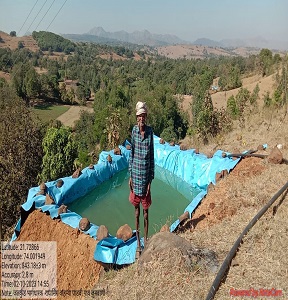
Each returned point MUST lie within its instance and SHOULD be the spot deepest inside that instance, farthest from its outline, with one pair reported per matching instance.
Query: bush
(232, 107)
(60, 151)
(169, 135)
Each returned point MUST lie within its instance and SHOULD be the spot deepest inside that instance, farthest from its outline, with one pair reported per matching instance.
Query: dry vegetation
(266, 84)
(199, 51)
(12, 42)
(219, 99)
(73, 114)
(191, 51)
(261, 261)
(5, 75)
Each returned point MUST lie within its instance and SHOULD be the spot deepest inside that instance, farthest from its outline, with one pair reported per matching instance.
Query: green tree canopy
(20, 155)
(48, 41)
(60, 151)
(266, 61)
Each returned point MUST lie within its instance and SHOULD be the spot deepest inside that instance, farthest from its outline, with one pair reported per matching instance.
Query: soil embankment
(76, 268)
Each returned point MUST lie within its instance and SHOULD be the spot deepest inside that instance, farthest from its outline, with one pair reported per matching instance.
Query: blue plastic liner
(197, 170)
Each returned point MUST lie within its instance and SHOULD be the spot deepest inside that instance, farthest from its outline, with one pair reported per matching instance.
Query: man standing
(141, 169)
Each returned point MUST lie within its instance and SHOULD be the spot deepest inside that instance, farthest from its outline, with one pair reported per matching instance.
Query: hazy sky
(188, 19)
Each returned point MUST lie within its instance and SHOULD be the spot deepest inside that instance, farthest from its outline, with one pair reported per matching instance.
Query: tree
(207, 121)
(267, 100)
(20, 45)
(266, 61)
(60, 151)
(232, 107)
(113, 125)
(241, 100)
(49, 87)
(168, 134)
(20, 155)
(3, 82)
(18, 75)
(255, 95)
(230, 77)
(83, 93)
(280, 94)
(85, 137)
(32, 83)
(13, 33)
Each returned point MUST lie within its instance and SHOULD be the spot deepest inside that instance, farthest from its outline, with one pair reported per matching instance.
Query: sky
(187, 19)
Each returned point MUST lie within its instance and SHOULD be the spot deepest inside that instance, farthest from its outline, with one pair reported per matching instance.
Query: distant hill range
(257, 42)
(99, 35)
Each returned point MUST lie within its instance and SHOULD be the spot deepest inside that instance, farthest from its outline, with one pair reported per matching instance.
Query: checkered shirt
(141, 161)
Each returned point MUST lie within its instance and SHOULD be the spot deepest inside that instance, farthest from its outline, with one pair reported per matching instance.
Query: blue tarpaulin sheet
(197, 170)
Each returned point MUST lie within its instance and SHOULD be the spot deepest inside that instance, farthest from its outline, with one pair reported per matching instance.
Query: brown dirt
(112, 56)
(218, 204)
(57, 55)
(73, 114)
(219, 99)
(190, 51)
(5, 75)
(201, 52)
(216, 224)
(41, 70)
(76, 267)
(185, 104)
(266, 84)
(12, 42)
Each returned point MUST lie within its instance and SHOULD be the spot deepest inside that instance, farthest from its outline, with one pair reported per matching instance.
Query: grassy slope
(261, 262)
(49, 112)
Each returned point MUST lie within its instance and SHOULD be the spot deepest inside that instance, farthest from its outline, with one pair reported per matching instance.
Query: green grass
(48, 112)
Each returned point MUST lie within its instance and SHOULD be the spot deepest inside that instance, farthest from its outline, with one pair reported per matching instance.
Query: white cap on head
(141, 108)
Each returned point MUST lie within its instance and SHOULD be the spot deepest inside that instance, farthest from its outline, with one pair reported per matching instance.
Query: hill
(165, 45)
(122, 38)
(256, 42)
(266, 84)
(216, 224)
(260, 263)
(207, 51)
(12, 42)
(143, 37)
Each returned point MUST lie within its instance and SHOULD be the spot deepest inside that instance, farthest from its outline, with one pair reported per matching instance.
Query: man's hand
(130, 184)
(148, 189)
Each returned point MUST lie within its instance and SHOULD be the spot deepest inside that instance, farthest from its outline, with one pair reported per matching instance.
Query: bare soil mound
(219, 204)
(76, 268)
